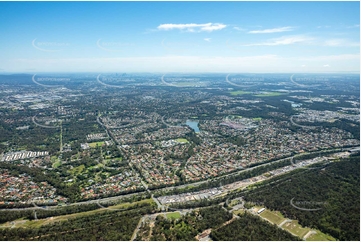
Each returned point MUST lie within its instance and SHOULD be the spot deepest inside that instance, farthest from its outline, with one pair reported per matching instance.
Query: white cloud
(327, 65)
(239, 29)
(270, 31)
(207, 39)
(340, 42)
(303, 66)
(285, 40)
(209, 27)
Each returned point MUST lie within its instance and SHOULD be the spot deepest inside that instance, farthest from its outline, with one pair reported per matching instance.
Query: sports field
(272, 217)
(174, 215)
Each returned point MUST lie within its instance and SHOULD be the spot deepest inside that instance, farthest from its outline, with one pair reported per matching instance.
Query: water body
(293, 104)
(193, 124)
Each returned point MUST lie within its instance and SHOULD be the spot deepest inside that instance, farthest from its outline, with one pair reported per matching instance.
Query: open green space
(174, 215)
(235, 93)
(319, 236)
(95, 144)
(95, 167)
(181, 140)
(269, 94)
(127, 205)
(295, 228)
(257, 119)
(56, 164)
(239, 212)
(272, 217)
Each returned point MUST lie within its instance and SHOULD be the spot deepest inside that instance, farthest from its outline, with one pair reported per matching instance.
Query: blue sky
(255, 37)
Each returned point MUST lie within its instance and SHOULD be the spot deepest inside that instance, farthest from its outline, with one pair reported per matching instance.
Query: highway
(162, 189)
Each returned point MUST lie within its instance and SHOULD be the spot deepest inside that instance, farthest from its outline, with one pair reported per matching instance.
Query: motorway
(162, 189)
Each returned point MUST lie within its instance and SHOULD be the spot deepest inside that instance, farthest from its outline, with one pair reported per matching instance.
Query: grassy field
(95, 144)
(257, 119)
(269, 94)
(182, 140)
(95, 167)
(127, 205)
(239, 211)
(235, 93)
(271, 216)
(174, 215)
(295, 228)
(56, 164)
(319, 236)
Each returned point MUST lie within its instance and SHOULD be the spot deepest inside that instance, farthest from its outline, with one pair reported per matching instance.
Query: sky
(163, 37)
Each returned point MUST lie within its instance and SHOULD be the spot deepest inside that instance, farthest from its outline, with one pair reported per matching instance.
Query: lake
(193, 124)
